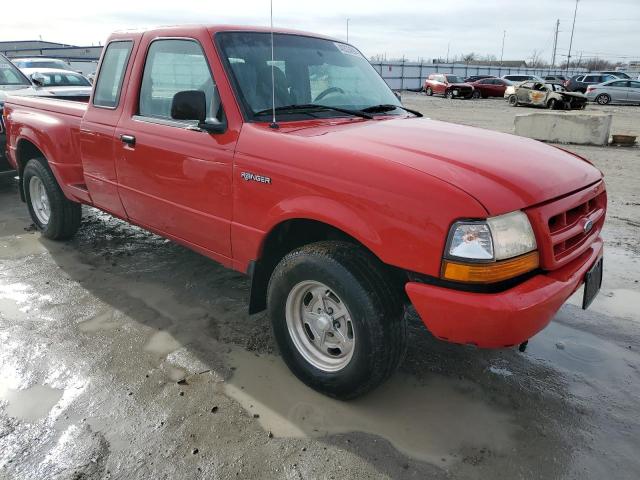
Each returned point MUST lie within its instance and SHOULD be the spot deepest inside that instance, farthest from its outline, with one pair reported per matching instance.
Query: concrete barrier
(565, 127)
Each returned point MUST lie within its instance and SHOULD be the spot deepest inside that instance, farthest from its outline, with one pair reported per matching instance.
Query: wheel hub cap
(320, 326)
(39, 200)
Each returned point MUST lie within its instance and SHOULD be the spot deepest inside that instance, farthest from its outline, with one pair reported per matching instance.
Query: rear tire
(512, 100)
(342, 355)
(57, 217)
(476, 94)
(552, 104)
(603, 99)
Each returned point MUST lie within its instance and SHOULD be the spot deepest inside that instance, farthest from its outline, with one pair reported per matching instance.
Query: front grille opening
(564, 221)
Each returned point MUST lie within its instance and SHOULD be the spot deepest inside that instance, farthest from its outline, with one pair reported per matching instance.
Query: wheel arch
(294, 232)
(26, 149)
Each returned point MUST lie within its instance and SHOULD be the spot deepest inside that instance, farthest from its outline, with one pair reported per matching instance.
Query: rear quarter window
(111, 74)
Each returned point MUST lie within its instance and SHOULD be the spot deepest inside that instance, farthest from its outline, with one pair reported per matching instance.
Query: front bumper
(497, 320)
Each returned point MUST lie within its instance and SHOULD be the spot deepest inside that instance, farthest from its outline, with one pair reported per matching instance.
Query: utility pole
(448, 45)
(572, 29)
(348, 29)
(555, 44)
(504, 34)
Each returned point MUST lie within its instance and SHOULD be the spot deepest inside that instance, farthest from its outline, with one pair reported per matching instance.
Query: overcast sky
(414, 28)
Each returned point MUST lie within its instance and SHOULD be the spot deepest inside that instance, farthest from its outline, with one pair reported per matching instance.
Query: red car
(341, 205)
(490, 87)
(451, 86)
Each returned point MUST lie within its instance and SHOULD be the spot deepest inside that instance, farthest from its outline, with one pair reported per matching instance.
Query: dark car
(490, 87)
(579, 83)
(449, 85)
(475, 78)
(556, 79)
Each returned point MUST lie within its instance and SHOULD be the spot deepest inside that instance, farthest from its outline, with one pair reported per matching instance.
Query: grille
(566, 228)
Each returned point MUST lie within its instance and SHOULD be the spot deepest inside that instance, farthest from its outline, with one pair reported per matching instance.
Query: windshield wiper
(387, 107)
(315, 106)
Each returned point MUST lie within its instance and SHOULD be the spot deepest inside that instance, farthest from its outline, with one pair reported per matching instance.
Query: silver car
(615, 91)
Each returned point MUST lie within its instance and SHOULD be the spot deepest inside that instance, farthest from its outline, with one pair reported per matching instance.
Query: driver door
(173, 178)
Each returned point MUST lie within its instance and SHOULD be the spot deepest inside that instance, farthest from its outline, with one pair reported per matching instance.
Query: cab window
(111, 75)
(172, 66)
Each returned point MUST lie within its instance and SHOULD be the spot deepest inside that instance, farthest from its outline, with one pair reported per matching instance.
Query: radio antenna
(273, 78)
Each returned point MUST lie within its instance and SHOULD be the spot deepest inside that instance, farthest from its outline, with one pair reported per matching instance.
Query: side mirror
(189, 105)
(192, 105)
(38, 79)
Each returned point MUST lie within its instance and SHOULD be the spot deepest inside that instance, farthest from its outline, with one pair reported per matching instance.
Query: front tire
(449, 94)
(428, 91)
(338, 322)
(57, 217)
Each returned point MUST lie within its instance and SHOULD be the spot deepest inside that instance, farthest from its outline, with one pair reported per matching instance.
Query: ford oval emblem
(588, 225)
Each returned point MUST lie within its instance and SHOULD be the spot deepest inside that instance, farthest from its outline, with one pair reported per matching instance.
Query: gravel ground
(123, 355)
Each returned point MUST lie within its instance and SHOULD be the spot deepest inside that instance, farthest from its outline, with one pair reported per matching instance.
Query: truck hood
(503, 172)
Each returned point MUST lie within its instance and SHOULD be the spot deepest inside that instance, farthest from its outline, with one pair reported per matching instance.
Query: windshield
(10, 75)
(307, 71)
(454, 79)
(66, 79)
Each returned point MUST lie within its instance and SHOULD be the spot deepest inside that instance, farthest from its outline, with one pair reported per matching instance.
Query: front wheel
(428, 91)
(449, 94)
(338, 322)
(57, 217)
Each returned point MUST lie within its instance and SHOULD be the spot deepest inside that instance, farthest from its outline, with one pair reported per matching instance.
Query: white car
(59, 83)
(40, 62)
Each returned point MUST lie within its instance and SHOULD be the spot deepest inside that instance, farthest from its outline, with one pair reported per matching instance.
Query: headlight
(492, 250)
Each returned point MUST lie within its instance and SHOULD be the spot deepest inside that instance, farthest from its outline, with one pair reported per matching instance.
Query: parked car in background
(41, 62)
(546, 95)
(12, 82)
(556, 79)
(63, 84)
(490, 87)
(616, 74)
(580, 83)
(451, 86)
(475, 78)
(515, 79)
(615, 91)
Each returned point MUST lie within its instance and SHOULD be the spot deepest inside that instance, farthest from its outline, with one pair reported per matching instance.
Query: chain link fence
(411, 75)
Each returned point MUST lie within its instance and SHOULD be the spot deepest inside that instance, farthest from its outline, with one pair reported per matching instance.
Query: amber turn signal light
(490, 272)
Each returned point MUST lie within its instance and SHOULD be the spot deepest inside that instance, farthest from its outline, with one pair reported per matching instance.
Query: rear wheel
(57, 217)
(513, 100)
(476, 94)
(603, 99)
(552, 104)
(339, 324)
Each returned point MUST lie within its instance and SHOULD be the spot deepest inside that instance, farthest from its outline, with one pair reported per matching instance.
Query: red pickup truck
(304, 171)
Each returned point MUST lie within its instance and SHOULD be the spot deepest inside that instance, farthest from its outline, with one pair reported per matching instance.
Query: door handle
(128, 139)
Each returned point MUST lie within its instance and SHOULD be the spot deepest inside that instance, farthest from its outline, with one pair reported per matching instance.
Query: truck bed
(48, 104)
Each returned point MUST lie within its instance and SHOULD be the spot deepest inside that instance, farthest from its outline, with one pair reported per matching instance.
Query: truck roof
(178, 30)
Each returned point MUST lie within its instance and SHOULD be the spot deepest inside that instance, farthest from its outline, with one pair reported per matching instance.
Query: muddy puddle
(30, 404)
(429, 421)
